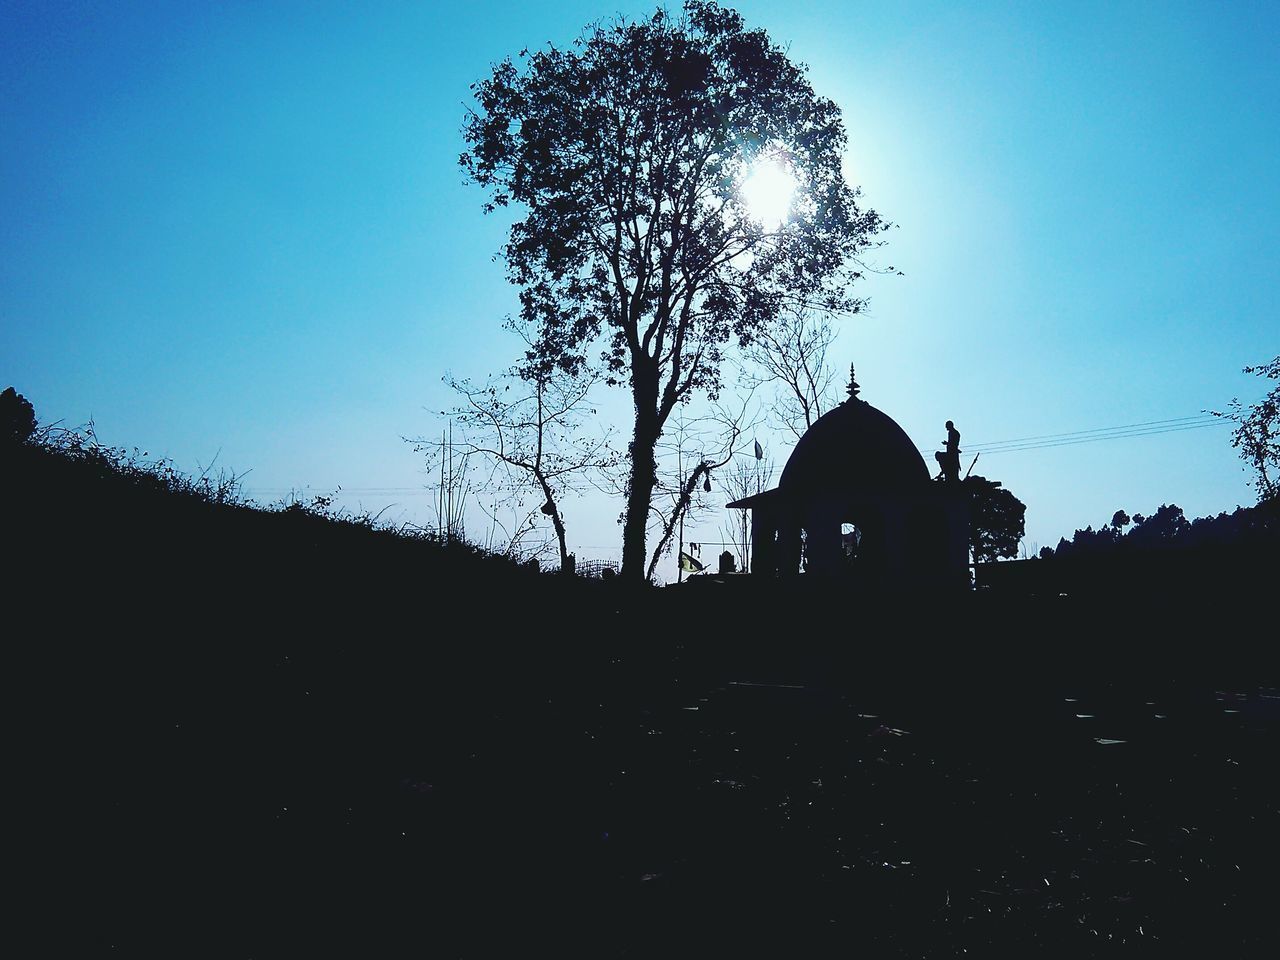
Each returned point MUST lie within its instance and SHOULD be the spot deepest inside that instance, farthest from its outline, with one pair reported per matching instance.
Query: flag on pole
(688, 564)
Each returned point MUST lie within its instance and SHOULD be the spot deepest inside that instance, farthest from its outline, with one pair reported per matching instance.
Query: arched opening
(850, 540)
(862, 541)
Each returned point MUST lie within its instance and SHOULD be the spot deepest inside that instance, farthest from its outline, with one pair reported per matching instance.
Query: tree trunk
(552, 509)
(644, 472)
(564, 546)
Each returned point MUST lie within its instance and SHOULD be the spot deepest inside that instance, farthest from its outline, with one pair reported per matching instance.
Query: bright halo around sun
(768, 191)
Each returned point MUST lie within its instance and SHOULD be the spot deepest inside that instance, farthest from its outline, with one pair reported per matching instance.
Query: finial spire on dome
(853, 387)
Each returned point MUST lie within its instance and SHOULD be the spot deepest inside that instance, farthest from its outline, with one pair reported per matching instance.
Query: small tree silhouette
(17, 417)
(997, 520)
(1257, 432)
(530, 429)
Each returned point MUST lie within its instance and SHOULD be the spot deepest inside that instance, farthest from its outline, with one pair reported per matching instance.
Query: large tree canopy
(627, 154)
(997, 520)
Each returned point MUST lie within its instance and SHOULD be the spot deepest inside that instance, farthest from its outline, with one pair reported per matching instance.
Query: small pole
(450, 479)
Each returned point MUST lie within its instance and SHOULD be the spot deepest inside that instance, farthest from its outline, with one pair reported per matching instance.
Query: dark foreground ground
(241, 734)
(301, 761)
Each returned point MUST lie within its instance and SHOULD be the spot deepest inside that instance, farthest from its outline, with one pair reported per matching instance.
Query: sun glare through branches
(768, 191)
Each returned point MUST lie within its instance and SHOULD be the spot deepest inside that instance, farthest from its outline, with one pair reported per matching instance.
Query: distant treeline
(1169, 529)
(1231, 552)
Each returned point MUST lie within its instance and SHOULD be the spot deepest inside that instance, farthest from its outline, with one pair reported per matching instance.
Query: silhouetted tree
(1090, 541)
(17, 417)
(1160, 528)
(1257, 432)
(997, 520)
(628, 152)
(531, 431)
(1165, 528)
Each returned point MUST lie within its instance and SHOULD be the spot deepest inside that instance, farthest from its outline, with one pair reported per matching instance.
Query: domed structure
(856, 447)
(855, 499)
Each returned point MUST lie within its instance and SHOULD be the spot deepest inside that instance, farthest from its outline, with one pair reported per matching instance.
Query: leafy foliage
(627, 153)
(17, 417)
(997, 520)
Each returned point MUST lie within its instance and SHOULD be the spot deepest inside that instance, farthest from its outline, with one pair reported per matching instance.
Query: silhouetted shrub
(997, 520)
(17, 417)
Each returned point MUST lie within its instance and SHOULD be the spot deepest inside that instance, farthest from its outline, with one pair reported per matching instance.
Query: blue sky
(241, 230)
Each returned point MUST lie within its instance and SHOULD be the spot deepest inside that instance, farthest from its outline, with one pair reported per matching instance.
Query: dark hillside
(91, 516)
(255, 733)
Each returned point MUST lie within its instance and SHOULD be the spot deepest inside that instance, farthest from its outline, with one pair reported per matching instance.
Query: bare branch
(793, 357)
(531, 434)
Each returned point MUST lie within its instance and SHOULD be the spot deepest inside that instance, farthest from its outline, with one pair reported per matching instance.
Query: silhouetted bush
(17, 417)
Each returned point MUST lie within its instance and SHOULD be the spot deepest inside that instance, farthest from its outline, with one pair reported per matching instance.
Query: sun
(767, 192)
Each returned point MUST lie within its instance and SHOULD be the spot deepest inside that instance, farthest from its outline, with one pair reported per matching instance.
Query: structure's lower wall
(906, 539)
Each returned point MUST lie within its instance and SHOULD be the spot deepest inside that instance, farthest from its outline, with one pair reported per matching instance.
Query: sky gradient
(240, 230)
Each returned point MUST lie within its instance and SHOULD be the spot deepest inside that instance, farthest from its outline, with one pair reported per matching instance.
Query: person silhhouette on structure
(949, 459)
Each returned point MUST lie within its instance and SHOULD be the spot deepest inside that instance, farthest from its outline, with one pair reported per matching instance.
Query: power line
(1147, 428)
(398, 491)
(1075, 433)
(1123, 431)
(1114, 434)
